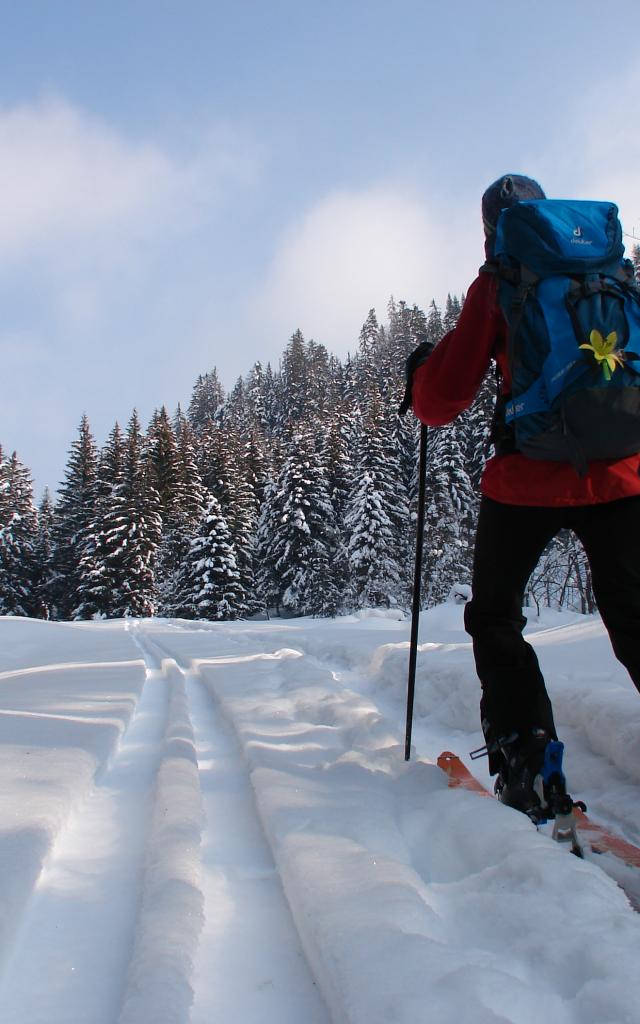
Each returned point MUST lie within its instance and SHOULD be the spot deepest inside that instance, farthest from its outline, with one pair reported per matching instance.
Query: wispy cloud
(108, 245)
(65, 175)
(593, 148)
(353, 250)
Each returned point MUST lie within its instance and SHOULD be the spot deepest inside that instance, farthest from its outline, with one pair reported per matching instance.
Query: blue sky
(184, 184)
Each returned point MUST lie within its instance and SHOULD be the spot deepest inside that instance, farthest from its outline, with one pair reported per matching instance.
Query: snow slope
(205, 822)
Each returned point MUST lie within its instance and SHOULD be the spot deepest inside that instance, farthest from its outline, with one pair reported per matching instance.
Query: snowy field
(215, 823)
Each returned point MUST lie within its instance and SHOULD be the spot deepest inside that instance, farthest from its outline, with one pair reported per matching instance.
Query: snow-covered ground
(211, 823)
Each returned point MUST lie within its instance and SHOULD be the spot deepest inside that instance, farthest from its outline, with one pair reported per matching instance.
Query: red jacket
(447, 384)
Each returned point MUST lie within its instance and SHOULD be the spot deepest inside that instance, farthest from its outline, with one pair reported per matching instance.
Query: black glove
(416, 359)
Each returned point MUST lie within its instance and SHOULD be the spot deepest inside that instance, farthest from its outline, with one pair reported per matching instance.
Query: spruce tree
(434, 325)
(376, 519)
(320, 393)
(400, 336)
(167, 475)
(43, 555)
(164, 465)
(119, 563)
(449, 509)
(74, 518)
(297, 538)
(104, 563)
(242, 518)
(144, 522)
(262, 396)
(294, 381)
(236, 412)
(18, 539)
(206, 400)
(209, 582)
(180, 530)
(267, 580)
(452, 312)
(370, 337)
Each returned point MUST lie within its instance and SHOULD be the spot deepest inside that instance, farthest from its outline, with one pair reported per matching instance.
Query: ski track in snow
(77, 929)
(159, 899)
(249, 965)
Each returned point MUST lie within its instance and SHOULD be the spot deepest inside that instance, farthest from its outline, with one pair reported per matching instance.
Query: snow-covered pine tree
(18, 538)
(255, 399)
(340, 461)
(399, 337)
(241, 513)
(191, 503)
(376, 518)
(259, 464)
(103, 567)
(164, 465)
(192, 492)
(119, 563)
(405, 433)
(43, 555)
(236, 411)
(206, 400)
(142, 504)
(297, 536)
(451, 315)
(227, 477)
(338, 455)
(347, 383)
(209, 581)
(74, 518)
(370, 339)
(320, 389)
(434, 323)
(215, 461)
(450, 506)
(294, 379)
(167, 476)
(269, 519)
(262, 399)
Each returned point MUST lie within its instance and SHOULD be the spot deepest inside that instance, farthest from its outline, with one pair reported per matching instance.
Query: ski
(600, 839)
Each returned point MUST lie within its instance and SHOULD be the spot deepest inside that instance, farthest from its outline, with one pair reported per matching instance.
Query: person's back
(525, 503)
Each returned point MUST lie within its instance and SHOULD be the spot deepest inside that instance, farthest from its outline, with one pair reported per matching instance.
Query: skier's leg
(509, 542)
(611, 539)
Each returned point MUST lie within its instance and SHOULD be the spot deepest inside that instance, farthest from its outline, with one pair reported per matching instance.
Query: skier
(525, 503)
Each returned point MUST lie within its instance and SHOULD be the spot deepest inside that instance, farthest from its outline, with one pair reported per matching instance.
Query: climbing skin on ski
(598, 838)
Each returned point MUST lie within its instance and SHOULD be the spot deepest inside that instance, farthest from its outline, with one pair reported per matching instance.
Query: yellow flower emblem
(604, 352)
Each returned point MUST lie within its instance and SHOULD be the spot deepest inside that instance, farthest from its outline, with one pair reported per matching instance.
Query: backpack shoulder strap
(490, 267)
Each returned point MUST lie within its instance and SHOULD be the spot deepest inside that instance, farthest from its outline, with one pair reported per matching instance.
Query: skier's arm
(447, 383)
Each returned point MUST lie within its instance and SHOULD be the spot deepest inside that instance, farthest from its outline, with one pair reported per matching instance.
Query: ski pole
(417, 579)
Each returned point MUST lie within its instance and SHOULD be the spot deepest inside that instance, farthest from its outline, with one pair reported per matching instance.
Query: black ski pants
(509, 542)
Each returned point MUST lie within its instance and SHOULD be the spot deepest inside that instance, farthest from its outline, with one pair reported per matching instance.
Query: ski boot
(532, 781)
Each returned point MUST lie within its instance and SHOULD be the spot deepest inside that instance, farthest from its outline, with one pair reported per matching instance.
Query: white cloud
(63, 173)
(353, 250)
(108, 246)
(67, 175)
(594, 149)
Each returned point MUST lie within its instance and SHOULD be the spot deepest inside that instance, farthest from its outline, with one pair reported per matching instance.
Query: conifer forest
(295, 493)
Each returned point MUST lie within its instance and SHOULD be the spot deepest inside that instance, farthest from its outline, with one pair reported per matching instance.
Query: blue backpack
(572, 306)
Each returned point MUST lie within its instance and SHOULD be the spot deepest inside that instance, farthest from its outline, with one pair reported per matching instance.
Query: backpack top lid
(561, 236)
